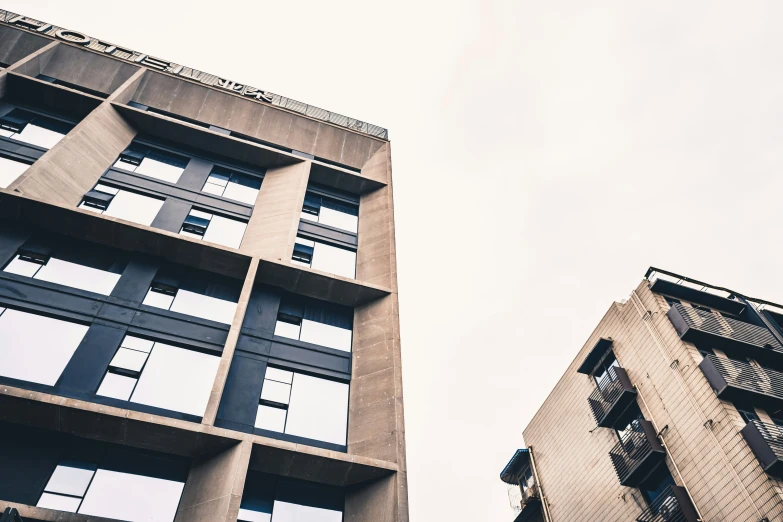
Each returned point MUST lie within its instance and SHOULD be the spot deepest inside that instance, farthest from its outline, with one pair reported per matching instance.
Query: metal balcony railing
(693, 323)
(672, 505)
(732, 379)
(611, 397)
(637, 454)
(766, 441)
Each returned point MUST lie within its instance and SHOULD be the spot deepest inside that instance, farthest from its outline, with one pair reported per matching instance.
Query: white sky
(545, 154)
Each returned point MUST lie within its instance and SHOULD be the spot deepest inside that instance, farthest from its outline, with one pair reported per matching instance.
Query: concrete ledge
(36, 514)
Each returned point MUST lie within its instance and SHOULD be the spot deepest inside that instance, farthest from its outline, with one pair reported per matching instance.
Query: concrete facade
(60, 77)
(702, 433)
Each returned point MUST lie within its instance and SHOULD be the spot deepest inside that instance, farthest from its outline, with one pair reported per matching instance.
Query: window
(67, 486)
(160, 375)
(268, 498)
(34, 129)
(46, 268)
(122, 204)
(326, 258)
(315, 322)
(36, 348)
(169, 297)
(154, 163)
(304, 406)
(228, 184)
(333, 212)
(213, 228)
(10, 170)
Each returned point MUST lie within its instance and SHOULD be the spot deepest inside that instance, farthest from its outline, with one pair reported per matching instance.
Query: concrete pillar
(272, 228)
(214, 487)
(372, 502)
(33, 57)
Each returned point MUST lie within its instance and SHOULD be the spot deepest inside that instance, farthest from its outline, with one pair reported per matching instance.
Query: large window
(232, 185)
(267, 498)
(155, 163)
(213, 228)
(315, 322)
(35, 348)
(212, 302)
(302, 405)
(330, 211)
(160, 375)
(10, 170)
(123, 204)
(35, 129)
(124, 485)
(324, 257)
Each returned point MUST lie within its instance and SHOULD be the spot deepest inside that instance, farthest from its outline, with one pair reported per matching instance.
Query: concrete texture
(17, 45)
(89, 70)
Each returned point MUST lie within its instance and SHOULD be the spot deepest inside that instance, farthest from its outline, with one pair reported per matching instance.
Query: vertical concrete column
(272, 228)
(213, 491)
(373, 502)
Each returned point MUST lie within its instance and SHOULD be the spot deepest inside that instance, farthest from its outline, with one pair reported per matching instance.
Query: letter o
(68, 35)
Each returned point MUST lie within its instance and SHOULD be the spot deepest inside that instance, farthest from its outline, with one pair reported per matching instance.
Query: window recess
(232, 185)
(315, 322)
(166, 293)
(331, 212)
(155, 163)
(10, 170)
(122, 204)
(32, 128)
(213, 228)
(324, 257)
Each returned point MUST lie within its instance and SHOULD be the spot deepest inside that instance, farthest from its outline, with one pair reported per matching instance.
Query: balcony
(525, 501)
(672, 505)
(637, 454)
(715, 330)
(737, 380)
(611, 397)
(766, 441)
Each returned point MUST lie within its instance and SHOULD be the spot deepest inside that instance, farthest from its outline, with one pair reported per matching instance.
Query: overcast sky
(545, 154)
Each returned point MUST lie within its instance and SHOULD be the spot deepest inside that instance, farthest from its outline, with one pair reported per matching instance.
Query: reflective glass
(300, 263)
(106, 189)
(124, 165)
(305, 242)
(218, 179)
(36, 348)
(326, 335)
(10, 170)
(124, 496)
(159, 170)
(318, 409)
(211, 188)
(286, 512)
(59, 502)
(269, 418)
(203, 306)
(177, 379)
(78, 276)
(279, 375)
(284, 329)
(70, 479)
(201, 214)
(226, 232)
(334, 260)
(308, 217)
(22, 267)
(276, 391)
(248, 515)
(116, 386)
(245, 192)
(136, 343)
(134, 207)
(337, 219)
(129, 359)
(39, 136)
(158, 299)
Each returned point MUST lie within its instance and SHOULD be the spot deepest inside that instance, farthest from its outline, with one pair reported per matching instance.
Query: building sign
(159, 64)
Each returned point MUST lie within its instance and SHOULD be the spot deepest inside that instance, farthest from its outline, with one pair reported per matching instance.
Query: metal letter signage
(72, 36)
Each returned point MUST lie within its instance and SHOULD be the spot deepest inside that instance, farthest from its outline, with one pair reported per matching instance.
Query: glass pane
(190, 235)
(177, 379)
(279, 375)
(203, 306)
(22, 267)
(70, 478)
(116, 386)
(284, 329)
(318, 409)
(36, 348)
(272, 419)
(129, 359)
(91, 209)
(300, 263)
(136, 343)
(10, 170)
(248, 515)
(106, 189)
(326, 335)
(124, 165)
(242, 193)
(308, 217)
(226, 232)
(132, 497)
(59, 502)
(78, 276)
(276, 391)
(337, 219)
(334, 260)
(218, 179)
(200, 214)
(39, 136)
(305, 242)
(158, 300)
(134, 207)
(286, 512)
(159, 170)
(211, 188)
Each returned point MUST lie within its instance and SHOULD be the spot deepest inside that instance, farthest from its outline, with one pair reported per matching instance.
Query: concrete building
(198, 297)
(671, 411)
